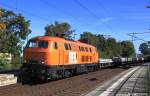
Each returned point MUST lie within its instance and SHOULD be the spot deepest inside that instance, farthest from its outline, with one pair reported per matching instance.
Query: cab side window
(86, 49)
(79, 48)
(55, 45)
(82, 48)
(90, 49)
(67, 46)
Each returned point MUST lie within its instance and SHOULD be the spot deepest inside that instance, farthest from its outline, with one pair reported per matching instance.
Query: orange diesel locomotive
(53, 57)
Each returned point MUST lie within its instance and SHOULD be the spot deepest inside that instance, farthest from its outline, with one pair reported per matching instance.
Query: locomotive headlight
(24, 61)
(42, 62)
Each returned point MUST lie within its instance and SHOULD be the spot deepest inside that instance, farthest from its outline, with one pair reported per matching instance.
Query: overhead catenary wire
(48, 4)
(45, 2)
(30, 14)
(137, 38)
(129, 34)
(37, 16)
(51, 5)
(103, 7)
(92, 14)
(140, 33)
(25, 12)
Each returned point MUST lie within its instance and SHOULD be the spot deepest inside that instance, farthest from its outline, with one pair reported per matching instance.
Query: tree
(59, 29)
(15, 31)
(144, 48)
(108, 48)
(88, 37)
(127, 49)
(100, 42)
(4, 62)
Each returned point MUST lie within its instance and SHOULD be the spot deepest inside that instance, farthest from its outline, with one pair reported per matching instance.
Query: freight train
(126, 61)
(48, 58)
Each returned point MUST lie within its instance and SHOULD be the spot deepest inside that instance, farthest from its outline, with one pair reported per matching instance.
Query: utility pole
(133, 42)
(133, 37)
(137, 38)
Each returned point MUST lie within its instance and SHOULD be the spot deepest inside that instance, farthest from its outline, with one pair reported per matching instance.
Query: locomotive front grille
(36, 57)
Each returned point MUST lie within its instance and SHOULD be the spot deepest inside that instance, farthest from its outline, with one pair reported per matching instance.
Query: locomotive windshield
(37, 44)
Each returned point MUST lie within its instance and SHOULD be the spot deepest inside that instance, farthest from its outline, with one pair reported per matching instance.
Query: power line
(103, 7)
(137, 38)
(133, 36)
(85, 8)
(140, 33)
(53, 6)
(63, 11)
(92, 13)
(45, 2)
(26, 12)
(35, 15)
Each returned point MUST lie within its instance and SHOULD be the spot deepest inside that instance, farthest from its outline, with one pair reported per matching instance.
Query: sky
(113, 18)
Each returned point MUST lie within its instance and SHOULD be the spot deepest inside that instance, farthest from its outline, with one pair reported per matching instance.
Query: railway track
(82, 82)
(73, 86)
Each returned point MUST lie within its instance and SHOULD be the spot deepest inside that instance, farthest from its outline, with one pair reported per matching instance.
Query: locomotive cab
(36, 52)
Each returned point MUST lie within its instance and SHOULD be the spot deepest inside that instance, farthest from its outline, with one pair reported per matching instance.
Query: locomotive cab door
(55, 53)
(61, 55)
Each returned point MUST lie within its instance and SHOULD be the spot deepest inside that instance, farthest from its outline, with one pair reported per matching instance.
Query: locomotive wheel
(67, 73)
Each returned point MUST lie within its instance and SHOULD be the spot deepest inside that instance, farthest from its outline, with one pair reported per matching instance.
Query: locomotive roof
(50, 38)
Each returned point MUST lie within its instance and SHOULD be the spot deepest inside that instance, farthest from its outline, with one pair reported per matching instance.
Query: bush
(4, 63)
(16, 62)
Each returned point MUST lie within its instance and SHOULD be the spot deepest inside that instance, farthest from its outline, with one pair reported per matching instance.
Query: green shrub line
(5, 64)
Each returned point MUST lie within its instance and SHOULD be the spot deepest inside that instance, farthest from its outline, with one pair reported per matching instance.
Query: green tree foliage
(144, 48)
(108, 48)
(89, 38)
(13, 31)
(127, 49)
(4, 62)
(17, 29)
(59, 29)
